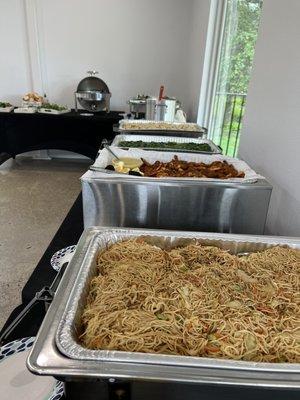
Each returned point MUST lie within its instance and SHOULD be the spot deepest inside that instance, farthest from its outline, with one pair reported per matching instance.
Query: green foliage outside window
(237, 53)
(243, 44)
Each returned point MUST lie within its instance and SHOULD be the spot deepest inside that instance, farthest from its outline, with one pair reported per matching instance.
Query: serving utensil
(107, 147)
(161, 93)
(45, 295)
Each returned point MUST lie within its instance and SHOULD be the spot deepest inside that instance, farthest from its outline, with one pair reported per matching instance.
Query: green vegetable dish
(53, 106)
(4, 105)
(167, 145)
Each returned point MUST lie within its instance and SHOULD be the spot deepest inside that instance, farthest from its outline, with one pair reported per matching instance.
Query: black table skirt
(72, 131)
(43, 275)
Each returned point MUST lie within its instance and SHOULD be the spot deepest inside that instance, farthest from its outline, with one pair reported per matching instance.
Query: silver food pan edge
(46, 359)
(67, 331)
(102, 175)
(104, 158)
(177, 139)
(157, 132)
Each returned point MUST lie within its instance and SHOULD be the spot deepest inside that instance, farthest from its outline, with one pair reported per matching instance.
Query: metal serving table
(95, 379)
(199, 206)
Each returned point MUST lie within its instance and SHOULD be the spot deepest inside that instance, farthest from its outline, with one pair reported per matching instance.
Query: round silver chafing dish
(92, 94)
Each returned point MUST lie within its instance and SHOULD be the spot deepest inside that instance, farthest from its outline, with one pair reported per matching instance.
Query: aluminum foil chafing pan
(149, 138)
(150, 366)
(187, 134)
(105, 158)
(147, 127)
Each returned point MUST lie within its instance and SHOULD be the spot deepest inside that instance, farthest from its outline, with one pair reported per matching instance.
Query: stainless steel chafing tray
(57, 351)
(187, 134)
(143, 125)
(118, 201)
(195, 133)
(237, 205)
(165, 139)
(106, 158)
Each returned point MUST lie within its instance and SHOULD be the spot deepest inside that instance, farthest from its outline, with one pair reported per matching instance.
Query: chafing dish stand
(194, 206)
(207, 379)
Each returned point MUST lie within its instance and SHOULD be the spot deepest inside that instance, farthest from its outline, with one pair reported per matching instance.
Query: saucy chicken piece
(180, 168)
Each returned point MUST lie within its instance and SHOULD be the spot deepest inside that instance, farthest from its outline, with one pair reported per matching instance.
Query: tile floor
(35, 196)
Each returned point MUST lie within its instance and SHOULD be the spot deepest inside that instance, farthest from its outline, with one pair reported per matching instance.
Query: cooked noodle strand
(195, 300)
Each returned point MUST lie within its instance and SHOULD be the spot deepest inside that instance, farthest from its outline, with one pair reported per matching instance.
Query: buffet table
(71, 131)
(236, 205)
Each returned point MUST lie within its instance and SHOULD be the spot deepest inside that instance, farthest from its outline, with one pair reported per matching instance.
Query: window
(231, 44)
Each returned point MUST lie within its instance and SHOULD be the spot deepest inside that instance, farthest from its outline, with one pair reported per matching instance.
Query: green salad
(166, 145)
(4, 104)
(53, 106)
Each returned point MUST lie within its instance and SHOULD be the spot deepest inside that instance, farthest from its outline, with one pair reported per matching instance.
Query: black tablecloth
(71, 131)
(43, 275)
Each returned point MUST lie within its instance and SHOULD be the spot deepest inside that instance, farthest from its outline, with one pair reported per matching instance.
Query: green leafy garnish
(166, 145)
(54, 106)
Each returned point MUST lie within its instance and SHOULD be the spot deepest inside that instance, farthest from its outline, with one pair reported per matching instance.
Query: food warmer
(111, 199)
(164, 139)
(126, 375)
(161, 128)
(137, 105)
(92, 94)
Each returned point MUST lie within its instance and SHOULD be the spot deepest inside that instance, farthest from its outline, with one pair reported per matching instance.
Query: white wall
(198, 34)
(14, 62)
(270, 139)
(136, 45)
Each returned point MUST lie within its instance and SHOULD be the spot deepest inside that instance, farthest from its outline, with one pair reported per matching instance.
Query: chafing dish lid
(92, 84)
